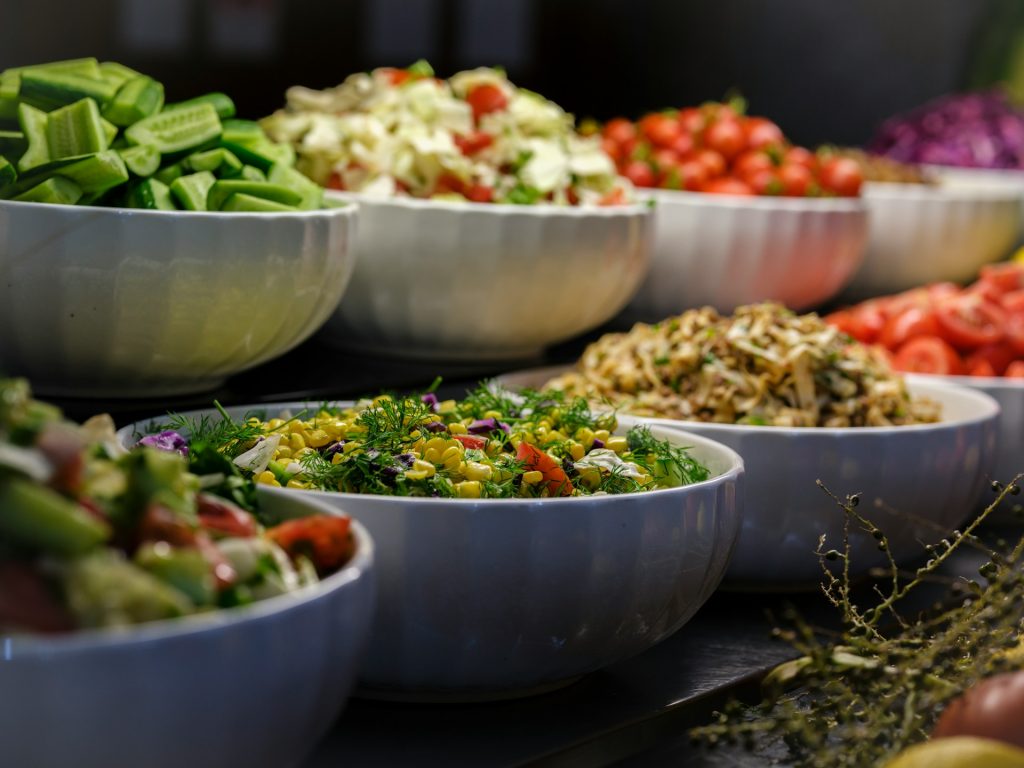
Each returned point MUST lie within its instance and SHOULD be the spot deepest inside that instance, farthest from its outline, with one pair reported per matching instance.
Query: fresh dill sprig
(666, 459)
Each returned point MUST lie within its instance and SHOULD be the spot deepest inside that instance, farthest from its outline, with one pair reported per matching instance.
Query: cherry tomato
(750, 162)
(664, 159)
(725, 137)
(842, 176)
(325, 539)
(473, 142)
(968, 321)
(761, 132)
(479, 193)
(907, 324)
(927, 354)
(472, 441)
(800, 156)
(533, 458)
(990, 709)
(683, 144)
(766, 182)
(660, 129)
(727, 186)
(712, 160)
(692, 120)
(796, 180)
(220, 516)
(611, 148)
(639, 173)
(842, 319)
(620, 130)
(1015, 370)
(486, 98)
(693, 175)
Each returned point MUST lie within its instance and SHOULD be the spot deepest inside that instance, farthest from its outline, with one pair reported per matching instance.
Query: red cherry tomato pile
(715, 149)
(945, 329)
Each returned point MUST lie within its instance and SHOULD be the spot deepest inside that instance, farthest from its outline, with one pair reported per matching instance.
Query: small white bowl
(494, 598)
(438, 279)
(923, 234)
(255, 686)
(918, 483)
(111, 302)
(726, 251)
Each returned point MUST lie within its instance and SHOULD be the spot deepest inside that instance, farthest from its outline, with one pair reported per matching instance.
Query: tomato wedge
(927, 354)
(222, 517)
(998, 356)
(1015, 370)
(472, 441)
(1005, 277)
(981, 368)
(911, 322)
(1014, 330)
(533, 458)
(325, 539)
(969, 321)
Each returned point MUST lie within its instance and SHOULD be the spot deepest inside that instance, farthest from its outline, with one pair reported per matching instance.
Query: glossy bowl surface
(494, 598)
(921, 234)
(917, 483)
(725, 251)
(111, 302)
(461, 281)
(255, 686)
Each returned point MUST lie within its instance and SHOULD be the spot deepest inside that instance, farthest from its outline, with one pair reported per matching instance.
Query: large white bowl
(726, 251)
(254, 686)
(917, 482)
(922, 234)
(493, 598)
(456, 280)
(122, 302)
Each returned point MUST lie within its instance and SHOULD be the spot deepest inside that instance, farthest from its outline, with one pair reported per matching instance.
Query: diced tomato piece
(66, 454)
(533, 458)
(472, 441)
(928, 354)
(448, 183)
(1015, 370)
(220, 516)
(325, 539)
(912, 321)
(1013, 301)
(162, 524)
(474, 142)
(395, 76)
(1014, 330)
(334, 181)
(616, 197)
(27, 602)
(479, 193)
(980, 368)
(868, 320)
(1006, 277)
(969, 321)
(998, 356)
(486, 98)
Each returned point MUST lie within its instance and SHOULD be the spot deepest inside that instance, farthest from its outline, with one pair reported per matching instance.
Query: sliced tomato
(1006, 277)
(325, 539)
(980, 368)
(927, 354)
(940, 291)
(1015, 370)
(220, 516)
(1013, 301)
(998, 356)
(864, 321)
(969, 321)
(472, 441)
(911, 322)
(533, 458)
(159, 523)
(448, 183)
(486, 98)
(1014, 331)
(474, 142)
(334, 181)
(395, 76)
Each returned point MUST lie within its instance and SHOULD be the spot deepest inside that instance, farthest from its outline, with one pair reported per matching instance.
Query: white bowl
(253, 686)
(921, 234)
(918, 483)
(726, 251)
(122, 302)
(492, 598)
(456, 280)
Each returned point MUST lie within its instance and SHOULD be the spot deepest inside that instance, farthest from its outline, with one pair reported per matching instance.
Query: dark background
(825, 70)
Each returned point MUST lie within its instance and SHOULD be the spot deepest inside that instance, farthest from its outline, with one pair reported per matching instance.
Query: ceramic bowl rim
(853, 206)
(943, 192)
(639, 209)
(112, 212)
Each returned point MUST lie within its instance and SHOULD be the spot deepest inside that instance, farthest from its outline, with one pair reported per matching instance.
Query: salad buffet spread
(101, 532)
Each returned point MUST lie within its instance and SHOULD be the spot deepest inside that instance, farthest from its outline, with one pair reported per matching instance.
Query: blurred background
(825, 70)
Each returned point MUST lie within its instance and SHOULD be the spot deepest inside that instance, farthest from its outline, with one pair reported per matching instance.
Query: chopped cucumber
(10, 79)
(312, 193)
(169, 173)
(98, 172)
(8, 173)
(117, 74)
(12, 144)
(41, 519)
(178, 129)
(151, 194)
(252, 173)
(224, 189)
(75, 130)
(191, 191)
(8, 112)
(218, 160)
(142, 160)
(183, 568)
(137, 99)
(109, 130)
(243, 131)
(221, 102)
(51, 89)
(261, 154)
(243, 202)
(55, 189)
(33, 127)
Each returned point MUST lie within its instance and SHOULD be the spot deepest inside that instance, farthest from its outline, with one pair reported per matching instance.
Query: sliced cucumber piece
(151, 194)
(33, 128)
(221, 102)
(243, 202)
(312, 193)
(36, 517)
(252, 173)
(8, 111)
(142, 160)
(75, 130)
(243, 131)
(8, 173)
(117, 74)
(222, 190)
(12, 144)
(97, 173)
(176, 130)
(109, 130)
(55, 189)
(219, 161)
(48, 89)
(191, 191)
(261, 154)
(137, 99)
(169, 173)
(10, 79)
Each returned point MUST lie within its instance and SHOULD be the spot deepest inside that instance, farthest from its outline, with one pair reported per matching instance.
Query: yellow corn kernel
(296, 484)
(540, 430)
(334, 429)
(492, 414)
(438, 443)
(468, 489)
(446, 406)
(554, 436)
(351, 445)
(477, 471)
(432, 455)
(415, 434)
(415, 474)
(516, 439)
(585, 435)
(493, 448)
(296, 441)
(337, 458)
(602, 434)
(267, 478)
(302, 452)
(275, 424)
(451, 459)
(545, 422)
(424, 466)
(590, 477)
(317, 438)
(533, 477)
(283, 452)
(381, 399)
(618, 444)
(458, 428)
(577, 451)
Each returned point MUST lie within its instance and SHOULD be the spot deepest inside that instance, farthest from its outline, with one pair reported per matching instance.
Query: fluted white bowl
(918, 482)
(122, 302)
(491, 598)
(254, 686)
(726, 251)
(439, 279)
(921, 234)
